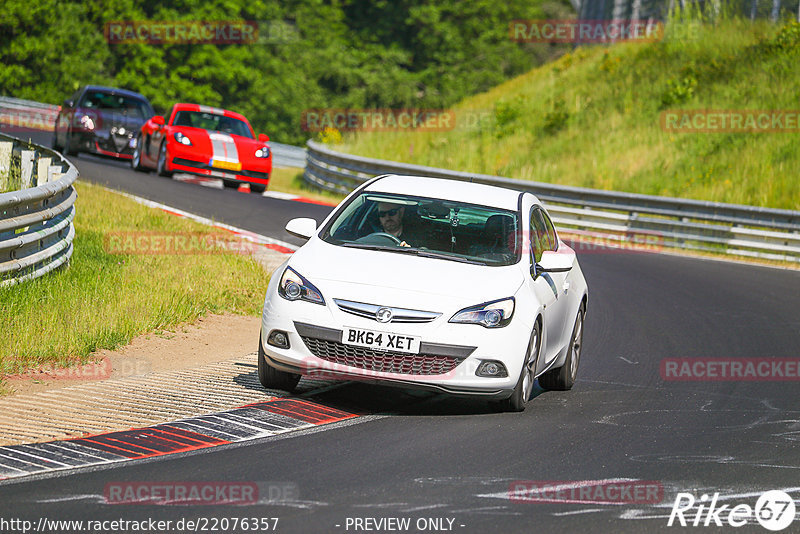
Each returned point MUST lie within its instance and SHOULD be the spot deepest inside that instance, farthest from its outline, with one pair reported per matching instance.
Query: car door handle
(566, 286)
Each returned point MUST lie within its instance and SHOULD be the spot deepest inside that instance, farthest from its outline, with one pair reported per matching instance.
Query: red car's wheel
(136, 160)
(161, 167)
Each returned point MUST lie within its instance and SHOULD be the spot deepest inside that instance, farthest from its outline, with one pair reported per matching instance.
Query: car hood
(219, 145)
(361, 275)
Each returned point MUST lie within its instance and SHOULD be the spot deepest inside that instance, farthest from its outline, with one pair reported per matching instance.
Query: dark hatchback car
(101, 120)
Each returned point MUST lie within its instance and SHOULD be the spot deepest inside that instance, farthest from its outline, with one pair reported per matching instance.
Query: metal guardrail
(287, 155)
(16, 114)
(36, 230)
(625, 217)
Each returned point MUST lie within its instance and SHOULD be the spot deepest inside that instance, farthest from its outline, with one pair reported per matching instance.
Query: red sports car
(206, 141)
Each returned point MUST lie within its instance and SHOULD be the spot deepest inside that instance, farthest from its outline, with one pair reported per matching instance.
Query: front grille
(382, 362)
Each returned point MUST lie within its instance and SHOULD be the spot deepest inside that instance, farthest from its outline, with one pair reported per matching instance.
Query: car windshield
(212, 122)
(427, 227)
(127, 105)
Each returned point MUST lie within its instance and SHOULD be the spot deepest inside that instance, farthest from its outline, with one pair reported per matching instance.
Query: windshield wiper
(393, 248)
(443, 256)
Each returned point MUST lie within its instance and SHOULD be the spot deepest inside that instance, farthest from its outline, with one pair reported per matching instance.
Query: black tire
(257, 188)
(136, 160)
(524, 388)
(272, 378)
(230, 184)
(54, 143)
(161, 167)
(563, 378)
(69, 146)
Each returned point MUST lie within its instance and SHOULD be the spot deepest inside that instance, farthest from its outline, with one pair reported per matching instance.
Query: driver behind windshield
(391, 219)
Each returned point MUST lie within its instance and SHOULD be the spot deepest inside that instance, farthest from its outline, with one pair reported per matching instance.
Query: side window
(551, 231)
(537, 230)
(541, 227)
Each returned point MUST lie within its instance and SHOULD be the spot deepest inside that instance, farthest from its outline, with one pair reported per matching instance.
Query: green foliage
(348, 53)
(329, 136)
(594, 119)
(787, 40)
(506, 112)
(679, 90)
(556, 118)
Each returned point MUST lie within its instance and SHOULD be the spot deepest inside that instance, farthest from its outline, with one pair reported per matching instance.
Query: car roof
(469, 192)
(115, 90)
(183, 106)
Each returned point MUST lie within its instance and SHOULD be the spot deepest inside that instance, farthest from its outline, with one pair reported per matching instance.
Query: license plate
(383, 341)
(230, 165)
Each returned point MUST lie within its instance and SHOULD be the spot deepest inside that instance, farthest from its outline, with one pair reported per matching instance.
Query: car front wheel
(524, 388)
(136, 160)
(69, 145)
(162, 161)
(272, 378)
(54, 143)
(563, 378)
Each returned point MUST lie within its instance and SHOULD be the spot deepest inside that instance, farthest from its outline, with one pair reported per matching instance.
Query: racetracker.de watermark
(631, 242)
(730, 121)
(585, 31)
(176, 243)
(88, 371)
(587, 491)
(378, 120)
(217, 32)
(730, 369)
(199, 493)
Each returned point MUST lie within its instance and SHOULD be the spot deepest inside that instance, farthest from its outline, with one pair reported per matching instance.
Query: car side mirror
(159, 120)
(263, 138)
(302, 227)
(553, 262)
(68, 103)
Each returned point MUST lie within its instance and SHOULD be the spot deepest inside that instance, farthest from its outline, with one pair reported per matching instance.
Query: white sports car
(457, 287)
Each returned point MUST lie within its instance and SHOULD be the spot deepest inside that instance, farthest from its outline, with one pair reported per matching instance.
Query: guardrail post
(5, 165)
(42, 169)
(54, 173)
(26, 168)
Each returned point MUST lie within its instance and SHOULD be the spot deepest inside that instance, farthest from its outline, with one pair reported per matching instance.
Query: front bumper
(184, 163)
(104, 143)
(447, 361)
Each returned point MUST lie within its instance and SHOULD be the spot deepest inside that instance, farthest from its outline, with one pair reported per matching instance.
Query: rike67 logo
(774, 511)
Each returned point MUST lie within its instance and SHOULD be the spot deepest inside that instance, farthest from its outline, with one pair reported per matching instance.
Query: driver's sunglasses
(391, 213)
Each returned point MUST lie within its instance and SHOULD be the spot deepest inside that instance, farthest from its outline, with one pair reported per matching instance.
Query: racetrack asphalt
(425, 455)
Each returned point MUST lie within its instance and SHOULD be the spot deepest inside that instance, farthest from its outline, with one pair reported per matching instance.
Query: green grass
(12, 179)
(592, 119)
(102, 300)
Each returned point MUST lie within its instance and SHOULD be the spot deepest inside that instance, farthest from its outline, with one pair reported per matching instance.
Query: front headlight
(182, 139)
(294, 287)
(262, 152)
(494, 314)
